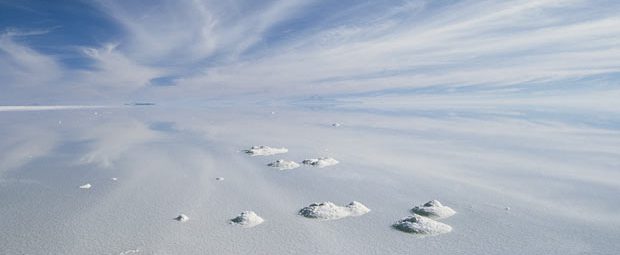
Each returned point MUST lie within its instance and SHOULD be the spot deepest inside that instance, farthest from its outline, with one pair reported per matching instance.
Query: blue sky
(118, 51)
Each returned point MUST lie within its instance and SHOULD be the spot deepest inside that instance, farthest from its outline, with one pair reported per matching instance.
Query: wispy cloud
(487, 45)
(112, 69)
(293, 48)
(172, 32)
(21, 66)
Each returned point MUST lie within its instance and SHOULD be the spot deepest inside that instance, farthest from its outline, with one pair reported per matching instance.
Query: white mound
(182, 218)
(114, 179)
(320, 162)
(284, 164)
(421, 225)
(219, 178)
(86, 186)
(330, 211)
(433, 209)
(247, 219)
(262, 150)
(336, 125)
(130, 252)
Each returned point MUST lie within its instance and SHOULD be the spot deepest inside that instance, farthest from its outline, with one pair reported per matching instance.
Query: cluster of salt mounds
(421, 225)
(247, 219)
(262, 150)
(433, 209)
(182, 218)
(320, 162)
(330, 211)
(284, 164)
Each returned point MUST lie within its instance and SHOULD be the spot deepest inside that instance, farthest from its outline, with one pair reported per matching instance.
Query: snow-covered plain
(559, 177)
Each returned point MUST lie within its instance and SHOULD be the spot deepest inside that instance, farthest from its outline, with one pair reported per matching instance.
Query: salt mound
(219, 178)
(247, 219)
(86, 186)
(433, 209)
(320, 162)
(336, 125)
(262, 150)
(330, 211)
(284, 164)
(182, 218)
(130, 252)
(421, 225)
(114, 179)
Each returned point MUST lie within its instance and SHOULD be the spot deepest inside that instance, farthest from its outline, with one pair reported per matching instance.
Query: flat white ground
(519, 185)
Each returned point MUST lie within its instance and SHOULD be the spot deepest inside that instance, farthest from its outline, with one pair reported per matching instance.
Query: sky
(563, 53)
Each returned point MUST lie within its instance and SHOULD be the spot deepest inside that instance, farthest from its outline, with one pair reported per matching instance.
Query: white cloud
(172, 32)
(32, 75)
(284, 48)
(22, 67)
(496, 44)
(113, 69)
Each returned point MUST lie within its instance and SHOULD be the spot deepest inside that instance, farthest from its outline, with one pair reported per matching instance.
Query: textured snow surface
(331, 211)
(421, 225)
(433, 209)
(284, 164)
(559, 177)
(320, 162)
(247, 219)
(262, 150)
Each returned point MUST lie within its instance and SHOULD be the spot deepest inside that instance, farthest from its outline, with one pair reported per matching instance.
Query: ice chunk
(247, 219)
(284, 164)
(320, 162)
(433, 209)
(421, 225)
(331, 211)
(182, 218)
(262, 150)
